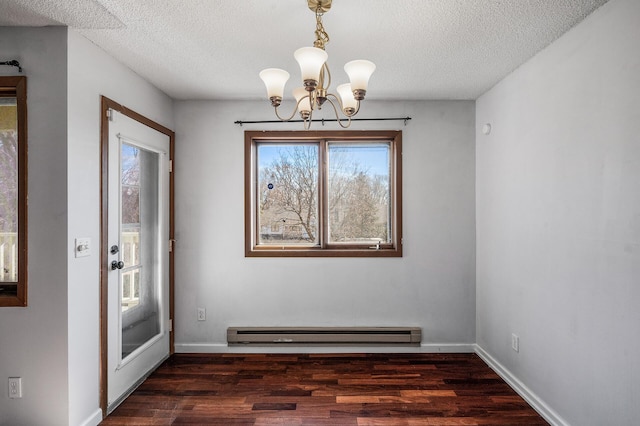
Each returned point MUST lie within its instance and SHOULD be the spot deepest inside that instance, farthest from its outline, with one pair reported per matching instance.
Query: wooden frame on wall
(15, 293)
(324, 249)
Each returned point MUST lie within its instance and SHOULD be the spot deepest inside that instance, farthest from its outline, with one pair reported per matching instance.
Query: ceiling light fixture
(316, 78)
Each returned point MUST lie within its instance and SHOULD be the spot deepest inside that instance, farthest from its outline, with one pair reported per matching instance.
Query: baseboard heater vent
(407, 336)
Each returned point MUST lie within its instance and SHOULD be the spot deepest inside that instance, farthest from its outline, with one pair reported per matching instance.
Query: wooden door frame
(105, 105)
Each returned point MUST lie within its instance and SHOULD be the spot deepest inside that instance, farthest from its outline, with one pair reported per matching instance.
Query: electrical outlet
(202, 314)
(515, 342)
(15, 387)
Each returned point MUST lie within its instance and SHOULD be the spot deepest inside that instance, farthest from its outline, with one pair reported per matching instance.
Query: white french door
(138, 330)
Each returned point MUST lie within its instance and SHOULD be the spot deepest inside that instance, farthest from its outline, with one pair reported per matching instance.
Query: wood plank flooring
(324, 389)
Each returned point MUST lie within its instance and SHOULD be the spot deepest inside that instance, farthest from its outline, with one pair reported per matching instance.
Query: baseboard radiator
(396, 336)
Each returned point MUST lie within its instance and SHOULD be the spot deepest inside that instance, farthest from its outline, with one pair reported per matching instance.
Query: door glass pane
(359, 193)
(288, 194)
(8, 195)
(139, 247)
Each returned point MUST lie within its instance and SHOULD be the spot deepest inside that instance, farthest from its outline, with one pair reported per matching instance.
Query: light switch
(83, 247)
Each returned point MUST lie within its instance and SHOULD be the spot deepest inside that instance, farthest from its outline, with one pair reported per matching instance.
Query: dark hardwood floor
(327, 389)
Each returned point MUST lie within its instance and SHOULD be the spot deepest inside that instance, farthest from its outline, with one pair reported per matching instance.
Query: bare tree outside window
(130, 185)
(358, 188)
(288, 185)
(130, 239)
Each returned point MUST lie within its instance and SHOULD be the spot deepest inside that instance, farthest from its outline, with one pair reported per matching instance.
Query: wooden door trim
(105, 105)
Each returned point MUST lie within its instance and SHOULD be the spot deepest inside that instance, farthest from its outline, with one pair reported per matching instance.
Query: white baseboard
(532, 399)
(209, 348)
(460, 348)
(94, 419)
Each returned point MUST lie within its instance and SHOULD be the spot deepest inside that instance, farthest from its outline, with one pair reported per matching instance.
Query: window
(13, 191)
(130, 158)
(335, 193)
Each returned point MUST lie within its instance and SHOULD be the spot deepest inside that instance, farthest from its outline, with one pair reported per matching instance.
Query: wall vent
(407, 336)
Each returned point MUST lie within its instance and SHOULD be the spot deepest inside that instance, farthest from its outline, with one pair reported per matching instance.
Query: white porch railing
(131, 274)
(8, 256)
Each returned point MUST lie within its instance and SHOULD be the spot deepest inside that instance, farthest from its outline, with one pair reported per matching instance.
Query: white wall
(53, 344)
(558, 221)
(93, 73)
(33, 340)
(432, 286)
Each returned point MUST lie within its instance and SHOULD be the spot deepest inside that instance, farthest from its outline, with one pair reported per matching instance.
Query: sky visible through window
(371, 158)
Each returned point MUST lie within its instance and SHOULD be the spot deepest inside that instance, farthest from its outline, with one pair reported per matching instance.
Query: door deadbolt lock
(117, 264)
(114, 249)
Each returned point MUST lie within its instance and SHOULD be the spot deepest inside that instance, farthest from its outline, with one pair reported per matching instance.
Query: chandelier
(316, 78)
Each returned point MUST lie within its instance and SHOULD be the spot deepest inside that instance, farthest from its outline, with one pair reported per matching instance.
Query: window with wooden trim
(13, 191)
(323, 193)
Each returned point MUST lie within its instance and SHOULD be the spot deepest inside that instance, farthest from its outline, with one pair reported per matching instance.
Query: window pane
(131, 245)
(130, 176)
(140, 181)
(359, 193)
(8, 191)
(287, 193)
(130, 289)
(126, 287)
(130, 184)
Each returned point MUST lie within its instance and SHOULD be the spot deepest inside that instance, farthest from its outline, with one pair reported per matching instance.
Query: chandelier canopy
(316, 78)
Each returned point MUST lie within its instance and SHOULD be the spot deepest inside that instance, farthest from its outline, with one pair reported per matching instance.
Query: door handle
(117, 264)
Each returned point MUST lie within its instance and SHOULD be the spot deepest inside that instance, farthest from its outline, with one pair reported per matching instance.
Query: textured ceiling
(214, 49)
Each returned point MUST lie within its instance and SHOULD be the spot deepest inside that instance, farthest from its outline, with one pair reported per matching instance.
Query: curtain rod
(322, 120)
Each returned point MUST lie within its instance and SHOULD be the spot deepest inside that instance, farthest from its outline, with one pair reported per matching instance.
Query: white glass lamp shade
(346, 97)
(359, 72)
(274, 79)
(311, 60)
(299, 93)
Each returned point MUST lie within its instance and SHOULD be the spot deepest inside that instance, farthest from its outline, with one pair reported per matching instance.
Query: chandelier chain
(322, 38)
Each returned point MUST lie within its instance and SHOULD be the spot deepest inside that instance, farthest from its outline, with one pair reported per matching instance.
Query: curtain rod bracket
(12, 63)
